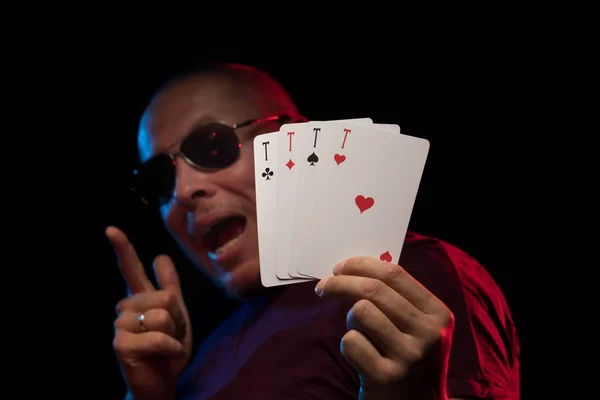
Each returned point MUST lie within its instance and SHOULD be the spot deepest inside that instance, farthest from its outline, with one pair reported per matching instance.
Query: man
(435, 326)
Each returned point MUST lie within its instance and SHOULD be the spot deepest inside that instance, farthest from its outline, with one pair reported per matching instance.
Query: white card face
(297, 149)
(289, 157)
(267, 170)
(389, 127)
(308, 179)
(364, 196)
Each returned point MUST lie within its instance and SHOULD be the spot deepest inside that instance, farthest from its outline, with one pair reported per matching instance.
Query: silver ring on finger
(140, 319)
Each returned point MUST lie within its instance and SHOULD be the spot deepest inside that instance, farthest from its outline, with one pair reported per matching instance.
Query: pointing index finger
(131, 267)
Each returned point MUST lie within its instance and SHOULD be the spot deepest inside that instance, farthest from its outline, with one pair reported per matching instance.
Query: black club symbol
(267, 174)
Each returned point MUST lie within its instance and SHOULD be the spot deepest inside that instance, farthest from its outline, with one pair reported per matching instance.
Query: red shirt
(285, 345)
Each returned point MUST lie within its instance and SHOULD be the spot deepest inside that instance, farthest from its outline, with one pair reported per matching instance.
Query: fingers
(132, 345)
(393, 276)
(364, 357)
(155, 319)
(398, 309)
(366, 318)
(163, 300)
(131, 267)
(166, 274)
(393, 324)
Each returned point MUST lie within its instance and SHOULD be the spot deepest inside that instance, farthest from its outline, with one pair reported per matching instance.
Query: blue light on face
(144, 143)
(164, 211)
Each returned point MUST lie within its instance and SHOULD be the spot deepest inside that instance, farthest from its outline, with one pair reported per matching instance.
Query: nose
(191, 184)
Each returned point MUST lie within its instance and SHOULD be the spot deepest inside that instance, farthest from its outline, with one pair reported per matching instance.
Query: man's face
(212, 214)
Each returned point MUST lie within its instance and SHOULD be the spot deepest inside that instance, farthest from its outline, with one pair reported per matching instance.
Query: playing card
(305, 221)
(362, 199)
(306, 190)
(298, 148)
(267, 170)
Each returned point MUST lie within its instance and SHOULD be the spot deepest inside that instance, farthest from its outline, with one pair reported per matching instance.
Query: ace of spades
(312, 159)
(364, 196)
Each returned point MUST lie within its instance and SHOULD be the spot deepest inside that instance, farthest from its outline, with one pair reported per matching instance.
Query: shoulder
(485, 355)
(447, 270)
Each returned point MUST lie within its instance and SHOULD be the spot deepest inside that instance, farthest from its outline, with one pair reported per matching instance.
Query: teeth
(228, 245)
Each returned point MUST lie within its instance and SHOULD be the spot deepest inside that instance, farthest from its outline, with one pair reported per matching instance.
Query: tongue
(229, 229)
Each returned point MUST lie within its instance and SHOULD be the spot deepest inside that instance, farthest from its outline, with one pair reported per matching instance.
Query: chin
(242, 282)
(227, 251)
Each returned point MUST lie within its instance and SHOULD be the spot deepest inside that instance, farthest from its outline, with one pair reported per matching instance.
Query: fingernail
(319, 287)
(338, 267)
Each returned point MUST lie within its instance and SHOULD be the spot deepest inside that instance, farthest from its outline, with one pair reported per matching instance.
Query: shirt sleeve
(484, 361)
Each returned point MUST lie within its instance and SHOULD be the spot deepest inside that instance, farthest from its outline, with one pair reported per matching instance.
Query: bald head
(238, 82)
(227, 92)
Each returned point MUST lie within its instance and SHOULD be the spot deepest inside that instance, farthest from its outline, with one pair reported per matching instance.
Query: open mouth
(224, 235)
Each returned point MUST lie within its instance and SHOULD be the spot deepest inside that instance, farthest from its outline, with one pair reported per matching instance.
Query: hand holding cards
(327, 191)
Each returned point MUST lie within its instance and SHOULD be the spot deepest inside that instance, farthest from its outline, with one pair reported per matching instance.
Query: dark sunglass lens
(155, 179)
(212, 146)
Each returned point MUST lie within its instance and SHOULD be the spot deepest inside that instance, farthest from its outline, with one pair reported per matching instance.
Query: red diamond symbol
(290, 164)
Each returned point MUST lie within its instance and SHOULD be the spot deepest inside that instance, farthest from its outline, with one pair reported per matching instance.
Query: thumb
(166, 275)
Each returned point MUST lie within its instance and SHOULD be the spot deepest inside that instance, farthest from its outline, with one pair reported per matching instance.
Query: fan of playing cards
(327, 191)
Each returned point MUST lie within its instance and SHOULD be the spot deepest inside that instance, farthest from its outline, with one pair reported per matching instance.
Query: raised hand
(153, 338)
(400, 335)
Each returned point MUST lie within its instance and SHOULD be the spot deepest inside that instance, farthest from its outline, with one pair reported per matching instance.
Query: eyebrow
(200, 122)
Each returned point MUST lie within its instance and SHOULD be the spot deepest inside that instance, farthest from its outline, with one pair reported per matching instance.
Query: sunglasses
(210, 147)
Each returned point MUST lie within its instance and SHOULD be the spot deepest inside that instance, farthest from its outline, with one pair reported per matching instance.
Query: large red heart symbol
(364, 203)
(339, 158)
(386, 257)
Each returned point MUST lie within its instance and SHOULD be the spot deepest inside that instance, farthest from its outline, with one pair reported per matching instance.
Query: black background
(473, 98)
